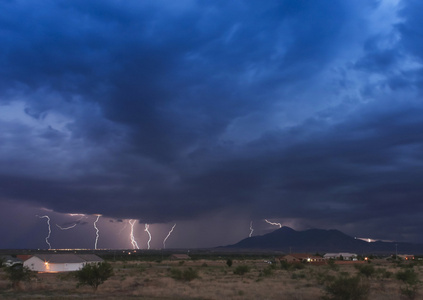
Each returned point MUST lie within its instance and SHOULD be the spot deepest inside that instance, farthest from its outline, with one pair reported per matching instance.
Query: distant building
(343, 255)
(406, 256)
(23, 257)
(179, 256)
(301, 257)
(60, 262)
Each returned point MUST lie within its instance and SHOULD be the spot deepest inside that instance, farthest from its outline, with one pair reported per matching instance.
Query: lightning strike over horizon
(66, 228)
(49, 230)
(164, 241)
(133, 241)
(251, 229)
(368, 240)
(81, 216)
(274, 224)
(96, 232)
(149, 235)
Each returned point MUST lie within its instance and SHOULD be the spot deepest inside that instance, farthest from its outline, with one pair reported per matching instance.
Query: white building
(344, 255)
(60, 262)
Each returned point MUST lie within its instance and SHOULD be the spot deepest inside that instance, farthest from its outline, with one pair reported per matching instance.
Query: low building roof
(344, 254)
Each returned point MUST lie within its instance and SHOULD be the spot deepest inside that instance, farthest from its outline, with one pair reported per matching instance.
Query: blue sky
(210, 114)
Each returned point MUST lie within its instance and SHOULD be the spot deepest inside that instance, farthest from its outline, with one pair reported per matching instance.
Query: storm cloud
(291, 110)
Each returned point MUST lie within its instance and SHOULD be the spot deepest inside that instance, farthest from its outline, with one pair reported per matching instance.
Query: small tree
(94, 274)
(17, 274)
(229, 262)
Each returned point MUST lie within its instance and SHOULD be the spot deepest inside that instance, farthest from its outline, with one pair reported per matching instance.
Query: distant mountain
(289, 240)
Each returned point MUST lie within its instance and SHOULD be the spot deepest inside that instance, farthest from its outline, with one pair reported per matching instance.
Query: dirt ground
(153, 280)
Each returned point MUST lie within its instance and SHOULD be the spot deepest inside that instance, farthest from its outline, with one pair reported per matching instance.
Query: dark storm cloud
(286, 109)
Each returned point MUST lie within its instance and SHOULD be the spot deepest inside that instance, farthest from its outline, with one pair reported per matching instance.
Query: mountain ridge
(315, 240)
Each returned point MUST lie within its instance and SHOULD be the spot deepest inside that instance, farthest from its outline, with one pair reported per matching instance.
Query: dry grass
(151, 280)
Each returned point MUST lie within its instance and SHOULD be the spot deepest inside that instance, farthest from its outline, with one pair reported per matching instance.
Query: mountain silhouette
(289, 240)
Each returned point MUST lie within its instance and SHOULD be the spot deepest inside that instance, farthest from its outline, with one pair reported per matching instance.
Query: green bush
(189, 274)
(229, 262)
(332, 265)
(17, 274)
(185, 275)
(285, 265)
(298, 275)
(298, 266)
(383, 273)
(366, 270)
(347, 288)
(241, 270)
(411, 281)
(94, 274)
(408, 276)
(324, 278)
(267, 271)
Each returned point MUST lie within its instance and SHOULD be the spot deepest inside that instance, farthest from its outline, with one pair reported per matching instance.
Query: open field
(153, 280)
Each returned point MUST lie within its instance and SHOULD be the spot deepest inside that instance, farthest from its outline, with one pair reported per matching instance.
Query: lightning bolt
(275, 224)
(49, 230)
(149, 235)
(133, 242)
(164, 241)
(66, 228)
(251, 229)
(81, 216)
(96, 231)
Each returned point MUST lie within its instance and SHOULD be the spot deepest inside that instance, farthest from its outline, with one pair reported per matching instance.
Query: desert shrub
(267, 272)
(65, 276)
(229, 262)
(17, 274)
(324, 278)
(408, 276)
(298, 275)
(411, 281)
(285, 265)
(366, 270)
(241, 270)
(176, 273)
(408, 265)
(298, 266)
(332, 265)
(185, 275)
(94, 274)
(383, 273)
(347, 288)
(189, 274)
(273, 266)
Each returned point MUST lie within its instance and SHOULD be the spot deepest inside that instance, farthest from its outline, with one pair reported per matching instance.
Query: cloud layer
(305, 110)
